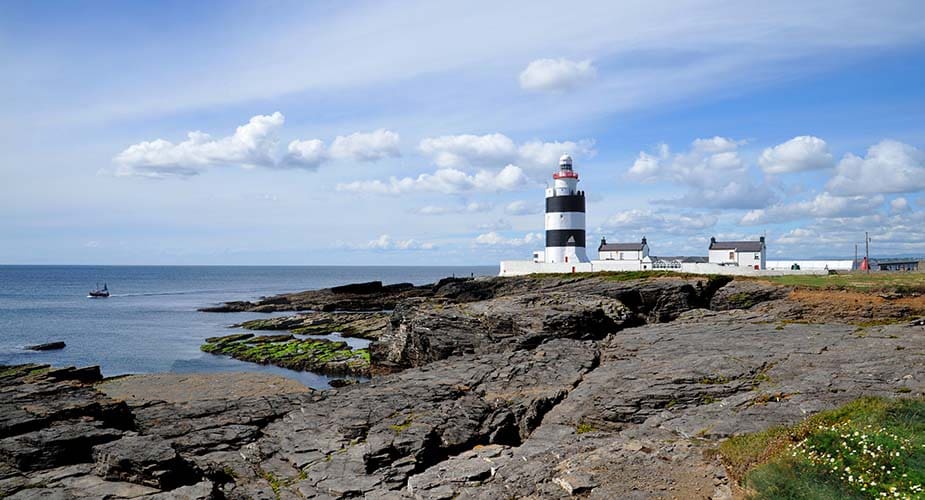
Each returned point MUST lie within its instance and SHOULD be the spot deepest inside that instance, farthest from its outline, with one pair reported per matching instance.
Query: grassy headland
(899, 282)
(870, 448)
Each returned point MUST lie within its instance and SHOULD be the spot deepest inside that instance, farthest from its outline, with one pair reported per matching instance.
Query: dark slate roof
(620, 247)
(742, 246)
(911, 260)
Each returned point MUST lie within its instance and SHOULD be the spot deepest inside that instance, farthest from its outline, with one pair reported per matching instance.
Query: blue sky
(423, 132)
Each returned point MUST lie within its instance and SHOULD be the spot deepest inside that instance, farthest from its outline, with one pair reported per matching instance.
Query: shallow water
(150, 323)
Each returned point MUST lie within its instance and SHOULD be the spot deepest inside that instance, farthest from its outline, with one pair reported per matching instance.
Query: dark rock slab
(83, 374)
(146, 460)
(31, 399)
(50, 346)
(359, 288)
(61, 443)
(372, 296)
(348, 324)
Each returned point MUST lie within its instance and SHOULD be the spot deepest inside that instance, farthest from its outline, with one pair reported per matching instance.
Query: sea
(150, 323)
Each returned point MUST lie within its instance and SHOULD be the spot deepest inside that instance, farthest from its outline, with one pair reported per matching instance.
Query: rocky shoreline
(542, 387)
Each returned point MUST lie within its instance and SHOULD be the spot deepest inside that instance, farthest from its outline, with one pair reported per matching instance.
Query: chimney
(643, 240)
(761, 239)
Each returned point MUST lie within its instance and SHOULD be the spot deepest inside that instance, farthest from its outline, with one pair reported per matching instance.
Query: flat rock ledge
(49, 346)
(349, 324)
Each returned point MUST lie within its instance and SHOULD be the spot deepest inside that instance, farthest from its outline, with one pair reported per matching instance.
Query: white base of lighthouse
(566, 255)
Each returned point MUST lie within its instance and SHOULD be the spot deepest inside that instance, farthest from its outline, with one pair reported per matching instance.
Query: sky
(424, 133)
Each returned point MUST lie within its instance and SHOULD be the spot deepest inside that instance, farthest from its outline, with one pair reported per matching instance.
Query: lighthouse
(565, 217)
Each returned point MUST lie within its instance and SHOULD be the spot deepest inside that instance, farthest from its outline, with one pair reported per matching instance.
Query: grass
(900, 282)
(619, 275)
(869, 448)
(403, 425)
(24, 371)
(584, 428)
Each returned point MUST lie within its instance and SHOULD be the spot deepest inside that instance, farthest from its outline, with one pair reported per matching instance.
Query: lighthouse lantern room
(565, 217)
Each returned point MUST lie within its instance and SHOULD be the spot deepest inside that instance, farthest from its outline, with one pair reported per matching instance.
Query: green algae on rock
(317, 355)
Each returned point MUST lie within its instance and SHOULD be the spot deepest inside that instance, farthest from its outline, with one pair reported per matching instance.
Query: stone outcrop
(423, 332)
(65, 438)
(539, 387)
(743, 294)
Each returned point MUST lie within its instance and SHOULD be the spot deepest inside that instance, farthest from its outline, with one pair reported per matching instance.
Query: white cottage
(738, 253)
(623, 251)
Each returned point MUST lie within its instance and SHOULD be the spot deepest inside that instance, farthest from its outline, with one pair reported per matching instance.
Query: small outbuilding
(898, 264)
(623, 251)
(738, 253)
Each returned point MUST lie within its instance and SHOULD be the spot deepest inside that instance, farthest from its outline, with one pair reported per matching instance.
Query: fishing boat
(99, 293)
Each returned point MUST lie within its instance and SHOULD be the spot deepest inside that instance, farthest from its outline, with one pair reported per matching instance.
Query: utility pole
(867, 250)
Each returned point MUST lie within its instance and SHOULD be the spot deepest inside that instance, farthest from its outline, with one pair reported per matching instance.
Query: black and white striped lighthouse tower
(565, 217)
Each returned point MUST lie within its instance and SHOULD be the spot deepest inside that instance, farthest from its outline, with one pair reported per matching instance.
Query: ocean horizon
(150, 323)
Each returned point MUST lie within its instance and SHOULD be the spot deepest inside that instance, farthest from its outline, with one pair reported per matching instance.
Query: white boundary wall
(522, 267)
(835, 265)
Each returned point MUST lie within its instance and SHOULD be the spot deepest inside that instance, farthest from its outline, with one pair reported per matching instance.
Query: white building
(623, 251)
(750, 254)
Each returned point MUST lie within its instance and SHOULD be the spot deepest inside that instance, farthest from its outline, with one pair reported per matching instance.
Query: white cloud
(895, 234)
(454, 151)
(538, 154)
(712, 170)
(799, 154)
(715, 145)
(824, 205)
(731, 194)
(706, 160)
(366, 146)
(446, 180)
(308, 154)
(556, 74)
(899, 205)
(498, 225)
(464, 150)
(638, 221)
(251, 145)
(469, 208)
(385, 242)
(889, 167)
(797, 235)
(495, 239)
(521, 207)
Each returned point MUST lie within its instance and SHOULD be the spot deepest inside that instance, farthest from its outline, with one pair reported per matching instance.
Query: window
(732, 256)
(757, 256)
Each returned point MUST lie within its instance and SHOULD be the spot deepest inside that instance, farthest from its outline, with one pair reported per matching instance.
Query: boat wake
(185, 292)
